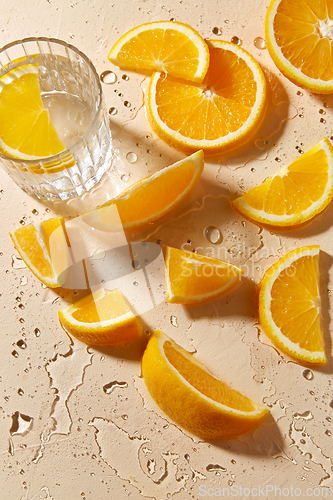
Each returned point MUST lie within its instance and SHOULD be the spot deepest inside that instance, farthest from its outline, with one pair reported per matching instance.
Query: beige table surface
(76, 422)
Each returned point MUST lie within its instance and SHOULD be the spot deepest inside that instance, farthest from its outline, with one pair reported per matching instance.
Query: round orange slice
(299, 37)
(171, 47)
(289, 305)
(194, 398)
(218, 115)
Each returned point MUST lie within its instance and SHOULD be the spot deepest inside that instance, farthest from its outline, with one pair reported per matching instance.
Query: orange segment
(168, 46)
(218, 115)
(151, 198)
(193, 278)
(299, 37)
(102, 318)
(204, 405)
(44, 249)
(289, 305)
(296, 193)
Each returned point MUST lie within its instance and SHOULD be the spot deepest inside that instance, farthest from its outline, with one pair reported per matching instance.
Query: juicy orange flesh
(29, 242)
(198, 275)
(24, 123)
(204, 382)
(155, 195)
(109, 307)
(213, 109)
(152, 47)
(296, 33)
(295, 303)
(303, 184)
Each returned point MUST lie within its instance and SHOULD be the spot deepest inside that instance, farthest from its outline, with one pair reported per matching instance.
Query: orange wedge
(289, 305)
(220, 114)
(194, 398)
(149, 199)
(102, 318)
(295, 194)
(299, 37)
(192, 278)
(168, 46)
(43, 247)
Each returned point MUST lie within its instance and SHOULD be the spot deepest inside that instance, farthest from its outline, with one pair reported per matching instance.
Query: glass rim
(66, 151)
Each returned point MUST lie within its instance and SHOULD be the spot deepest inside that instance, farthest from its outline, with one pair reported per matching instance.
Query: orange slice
(299, 37)
(218, 115)
(168, 46)
(194, 398)
(26, 129)
(102, 318)
(149, 199)
(192, 278)
(43, 248)
(289, 305)
(295, 194)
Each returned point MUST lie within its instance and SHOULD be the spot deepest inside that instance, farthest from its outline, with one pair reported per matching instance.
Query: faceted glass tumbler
(71, 89)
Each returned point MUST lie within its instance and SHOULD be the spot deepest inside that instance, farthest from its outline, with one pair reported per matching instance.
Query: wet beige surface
(77, 422)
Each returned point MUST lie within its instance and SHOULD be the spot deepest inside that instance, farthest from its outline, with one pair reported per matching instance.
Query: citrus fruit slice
(167, 46)
(26, 129)
(151, 198)
(43, 248)
(299, 36)
(289, 305)
(192, 397)
(218, 115)
(102, 318)
(192, 278)
(295, 194)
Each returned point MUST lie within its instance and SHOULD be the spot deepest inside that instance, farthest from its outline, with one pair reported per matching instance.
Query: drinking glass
(71, 91)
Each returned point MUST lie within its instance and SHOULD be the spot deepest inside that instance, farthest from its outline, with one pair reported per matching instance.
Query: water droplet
(127, 104)
(108, 77)
(308, 374)
(131, 157)
(328, 432)
(322, 112)
(322, 120)
(236, 40)
(15, 354)
(124, 417)
(331, 404)
(20, 423)
(135, 283)
(21, 320)
(216, 468)
(124, 178)
(217, 31)
(20, 392)
(35, 212)
(125, 77)
(307, 415)
(213, 235)
(113, 111)
(108, 388)
(277, 158)
(259, 42)
(173, 321)
(17, 262)
(22, 344)
(299, 92)
(37, 332)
